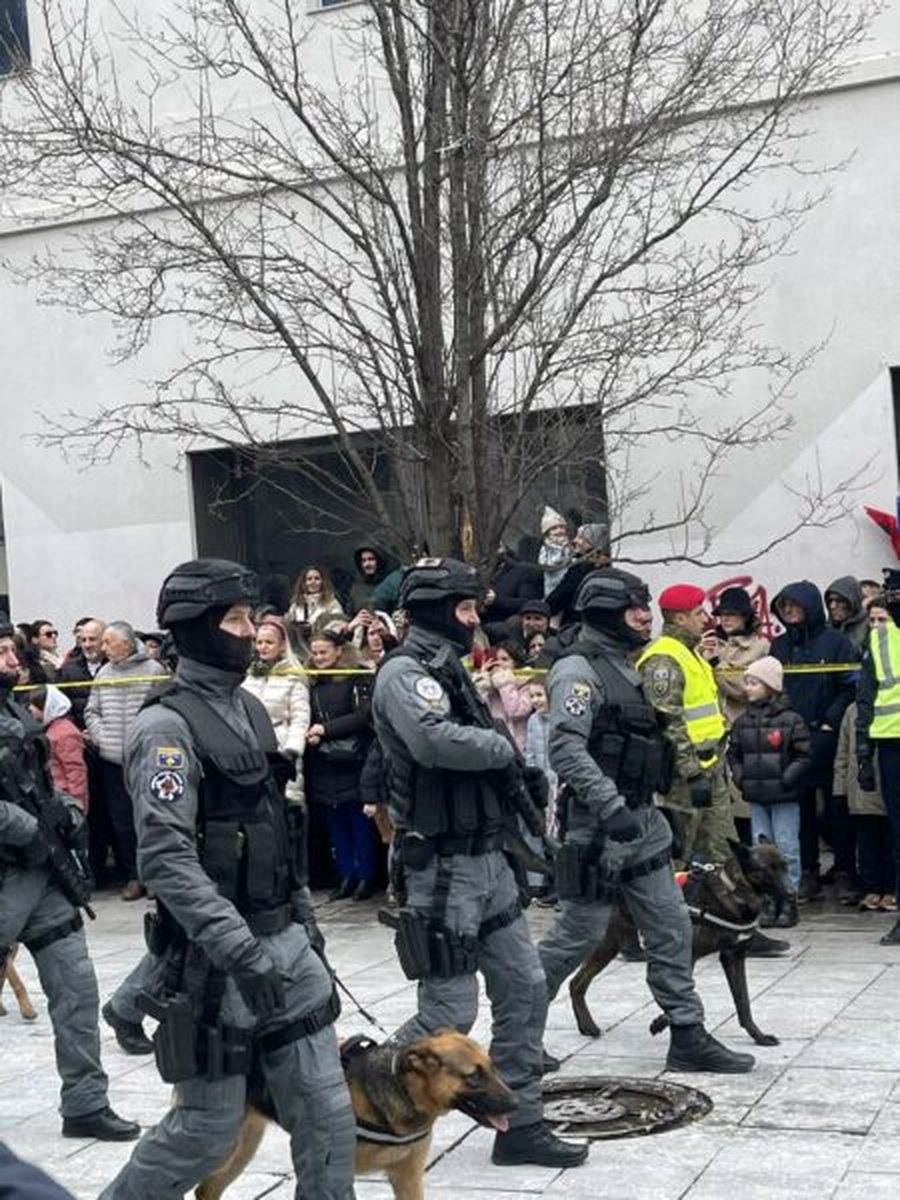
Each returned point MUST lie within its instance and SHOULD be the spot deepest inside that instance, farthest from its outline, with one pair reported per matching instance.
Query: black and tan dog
(8, 972)
(725, 904)
(398, 1093)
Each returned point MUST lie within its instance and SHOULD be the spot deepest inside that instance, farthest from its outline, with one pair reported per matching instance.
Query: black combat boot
(103, 1125)
(788, 917)
(693, 1049)
(892, 937)
(537, 1145)
(129, 1034)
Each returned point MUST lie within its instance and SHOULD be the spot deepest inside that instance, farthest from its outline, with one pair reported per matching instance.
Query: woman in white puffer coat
(274, 679)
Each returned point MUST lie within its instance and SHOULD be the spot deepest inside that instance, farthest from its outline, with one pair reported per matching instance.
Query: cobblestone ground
(818, 1117)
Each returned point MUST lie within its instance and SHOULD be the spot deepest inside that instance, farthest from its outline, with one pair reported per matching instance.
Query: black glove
(537, 785)
(701, 793)
(262, 989)
(865, 775)
(622, 826)
(34, 852)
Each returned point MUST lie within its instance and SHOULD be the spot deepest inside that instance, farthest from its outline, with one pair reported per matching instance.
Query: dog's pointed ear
(419, 1059)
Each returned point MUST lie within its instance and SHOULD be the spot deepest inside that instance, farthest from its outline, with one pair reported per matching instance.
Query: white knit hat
(769, 671)
(551, 519)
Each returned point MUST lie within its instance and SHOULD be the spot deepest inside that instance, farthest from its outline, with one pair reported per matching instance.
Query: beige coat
(738, 651)
(285, 698)
(860, 803)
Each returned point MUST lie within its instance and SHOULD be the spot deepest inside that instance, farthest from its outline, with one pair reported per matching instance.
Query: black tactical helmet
(610, 590)
(6, 626)
(438, 579)
(892, 591)
(202, 584)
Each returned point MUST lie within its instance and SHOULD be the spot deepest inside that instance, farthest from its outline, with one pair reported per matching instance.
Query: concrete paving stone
(854, 1044)
(764, 1163)
(829, 970)
(880, 1156)
(859, 1186)
(823, 1098)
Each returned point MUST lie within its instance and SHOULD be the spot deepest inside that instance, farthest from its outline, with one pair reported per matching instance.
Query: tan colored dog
(398, 1093)
(8, 972)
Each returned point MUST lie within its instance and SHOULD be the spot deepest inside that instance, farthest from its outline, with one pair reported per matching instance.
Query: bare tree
(489, 240)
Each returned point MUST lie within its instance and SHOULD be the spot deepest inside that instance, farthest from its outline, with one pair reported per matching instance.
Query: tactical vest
(433, 801)
(884, 644)
(626, 738)
(29, 758)
(702, 714)
(243, 835)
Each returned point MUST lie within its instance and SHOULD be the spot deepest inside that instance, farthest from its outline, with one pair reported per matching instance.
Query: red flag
(888, 523)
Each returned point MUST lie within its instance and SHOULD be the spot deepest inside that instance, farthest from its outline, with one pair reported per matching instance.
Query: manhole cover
(604, 1107)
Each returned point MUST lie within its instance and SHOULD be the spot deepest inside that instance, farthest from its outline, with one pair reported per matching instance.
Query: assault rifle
(524, 788)
(56, 824)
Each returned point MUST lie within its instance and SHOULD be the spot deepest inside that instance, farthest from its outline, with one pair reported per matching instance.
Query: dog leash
(363, 1012)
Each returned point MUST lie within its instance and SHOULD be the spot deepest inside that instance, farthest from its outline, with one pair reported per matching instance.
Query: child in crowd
(769, 753)
(536, 755)
(496, 684)
(67, 765)
(556, 552)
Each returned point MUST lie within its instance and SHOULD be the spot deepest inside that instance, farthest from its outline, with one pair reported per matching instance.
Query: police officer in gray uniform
(237, 981)
(35, 911)
(607, 747)
(449, 777)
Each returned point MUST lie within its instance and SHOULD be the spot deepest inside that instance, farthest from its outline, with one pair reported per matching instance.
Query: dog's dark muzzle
(489, 1108)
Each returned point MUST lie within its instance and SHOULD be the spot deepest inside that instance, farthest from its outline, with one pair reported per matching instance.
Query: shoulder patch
(578, 695)
(428, 688)
(167, 785)
(170, 758)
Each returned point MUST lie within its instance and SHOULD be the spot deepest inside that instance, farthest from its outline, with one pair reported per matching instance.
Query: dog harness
(691, 883)
(367, 1131)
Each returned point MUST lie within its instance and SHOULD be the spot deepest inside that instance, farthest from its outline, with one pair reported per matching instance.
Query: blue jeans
(780, 823)
(353, 840)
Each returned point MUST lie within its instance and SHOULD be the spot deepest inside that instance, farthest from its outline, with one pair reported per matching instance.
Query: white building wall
(99, 540)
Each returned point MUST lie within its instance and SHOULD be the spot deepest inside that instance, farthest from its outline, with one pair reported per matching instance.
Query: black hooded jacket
(821, 698)
(363, 587)
(856, 627)
(769, 753)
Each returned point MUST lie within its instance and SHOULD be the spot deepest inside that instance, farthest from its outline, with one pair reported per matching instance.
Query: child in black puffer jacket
(769, 754)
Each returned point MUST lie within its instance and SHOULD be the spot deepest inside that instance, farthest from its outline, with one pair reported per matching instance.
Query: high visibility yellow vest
(884, 643)
(702, 714)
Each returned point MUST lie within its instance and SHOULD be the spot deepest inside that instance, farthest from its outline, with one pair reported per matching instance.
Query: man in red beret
(679, 682)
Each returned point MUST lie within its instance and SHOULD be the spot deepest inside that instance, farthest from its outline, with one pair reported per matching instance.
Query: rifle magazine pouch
(175, 1042)
(412, 945)
(567, 872)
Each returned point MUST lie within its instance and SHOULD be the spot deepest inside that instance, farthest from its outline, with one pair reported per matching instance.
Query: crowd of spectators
(793, 744)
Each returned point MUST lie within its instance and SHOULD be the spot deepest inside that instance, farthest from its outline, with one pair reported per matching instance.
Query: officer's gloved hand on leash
(622, 826)
(701, 793)
(865, 775)
(261, 987)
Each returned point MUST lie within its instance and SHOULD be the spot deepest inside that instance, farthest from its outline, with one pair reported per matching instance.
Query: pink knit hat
(769, 671)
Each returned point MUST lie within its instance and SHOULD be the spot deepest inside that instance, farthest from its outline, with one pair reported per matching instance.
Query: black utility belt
(427, 949)
(187, 1049)
(271, 920)
(416, 851)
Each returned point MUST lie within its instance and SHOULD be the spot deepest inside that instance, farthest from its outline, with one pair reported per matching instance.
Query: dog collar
(367, 1132)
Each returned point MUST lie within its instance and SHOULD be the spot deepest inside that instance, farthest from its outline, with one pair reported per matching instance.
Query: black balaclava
(439, 616)
(611, 621)
(202, 640)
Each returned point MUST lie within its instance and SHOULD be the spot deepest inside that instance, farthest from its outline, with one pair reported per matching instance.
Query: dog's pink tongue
(500, 1123)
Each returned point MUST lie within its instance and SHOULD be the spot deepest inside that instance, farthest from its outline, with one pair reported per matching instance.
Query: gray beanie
(597, 534)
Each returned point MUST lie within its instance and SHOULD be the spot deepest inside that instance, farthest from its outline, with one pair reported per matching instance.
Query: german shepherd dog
(725, 904)
(8, 972)
(398, 1093)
